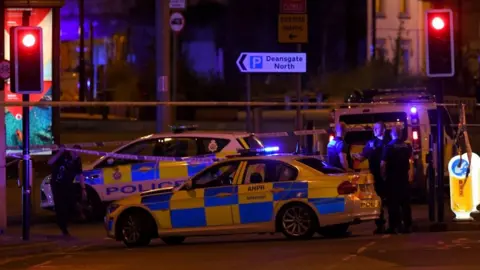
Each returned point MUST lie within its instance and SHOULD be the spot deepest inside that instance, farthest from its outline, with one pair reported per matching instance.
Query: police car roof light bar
(183, 128)
(258, 151)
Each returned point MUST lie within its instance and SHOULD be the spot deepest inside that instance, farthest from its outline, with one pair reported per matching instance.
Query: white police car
(186, 143)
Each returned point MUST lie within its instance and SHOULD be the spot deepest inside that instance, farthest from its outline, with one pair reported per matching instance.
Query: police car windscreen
(320, 166)
(360, 126)
(253, 142)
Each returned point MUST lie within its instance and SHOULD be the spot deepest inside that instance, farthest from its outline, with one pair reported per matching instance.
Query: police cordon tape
(118, 143)
(83, 145)
(201, 104)
(143, 158)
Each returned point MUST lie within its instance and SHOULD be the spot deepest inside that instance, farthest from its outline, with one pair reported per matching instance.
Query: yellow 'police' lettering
(256, 188)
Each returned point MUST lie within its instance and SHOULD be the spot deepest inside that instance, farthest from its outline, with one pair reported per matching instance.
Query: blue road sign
(460, 169)
(260, 62)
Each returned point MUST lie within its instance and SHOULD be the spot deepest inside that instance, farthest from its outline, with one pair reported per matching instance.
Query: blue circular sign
(460, 171)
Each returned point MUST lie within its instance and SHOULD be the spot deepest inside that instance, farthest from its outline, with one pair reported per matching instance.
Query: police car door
(209, 202)
(259, 190)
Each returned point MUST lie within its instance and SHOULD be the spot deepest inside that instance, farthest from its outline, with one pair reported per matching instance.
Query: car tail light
(346, 188)
(355, 179)
(415, 135)
(416, 142)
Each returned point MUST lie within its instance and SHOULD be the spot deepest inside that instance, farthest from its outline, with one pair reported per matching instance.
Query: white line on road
(351, 256)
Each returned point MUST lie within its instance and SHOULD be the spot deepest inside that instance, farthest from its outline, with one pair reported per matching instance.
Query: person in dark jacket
(395, 165)
(338, 151)
(373, 151)
(66, 166)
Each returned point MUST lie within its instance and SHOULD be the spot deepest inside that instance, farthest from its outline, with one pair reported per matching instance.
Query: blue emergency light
(258, 151)
(413, 110)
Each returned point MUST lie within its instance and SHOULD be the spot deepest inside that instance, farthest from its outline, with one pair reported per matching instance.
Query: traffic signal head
(440, 54)
(26, 59)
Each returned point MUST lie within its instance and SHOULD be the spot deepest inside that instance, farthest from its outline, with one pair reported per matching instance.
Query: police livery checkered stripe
(251, 203)
(142, 172)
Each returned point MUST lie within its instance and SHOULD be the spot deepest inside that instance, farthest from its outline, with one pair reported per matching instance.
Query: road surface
(439, 251)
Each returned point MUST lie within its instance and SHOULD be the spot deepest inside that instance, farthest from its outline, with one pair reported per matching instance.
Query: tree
(378, 73)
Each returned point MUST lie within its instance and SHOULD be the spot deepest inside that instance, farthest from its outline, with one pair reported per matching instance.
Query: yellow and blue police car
(109, 178)
(248, 193)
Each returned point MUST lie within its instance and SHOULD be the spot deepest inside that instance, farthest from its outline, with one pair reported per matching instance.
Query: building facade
(402, 19)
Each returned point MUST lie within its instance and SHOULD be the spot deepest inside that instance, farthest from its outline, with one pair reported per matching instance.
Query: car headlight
(112, 207)
(47, 180)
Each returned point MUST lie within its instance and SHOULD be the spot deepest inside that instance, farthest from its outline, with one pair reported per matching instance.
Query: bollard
(464, 185)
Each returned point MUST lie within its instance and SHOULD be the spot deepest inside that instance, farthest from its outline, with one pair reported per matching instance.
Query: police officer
(338, 151)
(66, 166)
(395, 166)
(373, 151)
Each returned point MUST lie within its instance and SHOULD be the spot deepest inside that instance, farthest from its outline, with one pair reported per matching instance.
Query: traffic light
(26, 60)
(439, 43)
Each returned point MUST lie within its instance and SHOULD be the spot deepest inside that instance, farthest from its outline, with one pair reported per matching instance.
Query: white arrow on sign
(4, 69)
(259, 62)
(177, 22)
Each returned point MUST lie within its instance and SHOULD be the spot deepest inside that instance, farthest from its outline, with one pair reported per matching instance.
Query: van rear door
(360, 129)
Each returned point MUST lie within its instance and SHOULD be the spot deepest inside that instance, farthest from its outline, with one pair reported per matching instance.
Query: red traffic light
(438, 23)
(28, 40)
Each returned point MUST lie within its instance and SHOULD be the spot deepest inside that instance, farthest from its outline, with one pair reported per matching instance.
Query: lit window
(379, 6)
(404, 7)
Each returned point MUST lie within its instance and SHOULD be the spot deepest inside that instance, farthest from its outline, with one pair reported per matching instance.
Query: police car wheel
(298, 222)
(333, 231)
(173, 240)
(134, 230)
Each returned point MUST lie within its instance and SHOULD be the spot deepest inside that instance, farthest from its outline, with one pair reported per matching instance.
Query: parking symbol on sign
(256, 62)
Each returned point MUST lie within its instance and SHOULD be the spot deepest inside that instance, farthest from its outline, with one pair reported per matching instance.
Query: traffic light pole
(3, 146)
(440, 155)
(27, 162)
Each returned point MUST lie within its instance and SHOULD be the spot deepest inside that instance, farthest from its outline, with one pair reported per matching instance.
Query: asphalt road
(437, 251)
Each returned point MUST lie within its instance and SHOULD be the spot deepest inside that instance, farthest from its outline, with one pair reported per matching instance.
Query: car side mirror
(189, 185)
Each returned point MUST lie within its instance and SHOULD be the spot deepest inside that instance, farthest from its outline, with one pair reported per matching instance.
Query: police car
(249, 193)
(109, 179)
(411, 108)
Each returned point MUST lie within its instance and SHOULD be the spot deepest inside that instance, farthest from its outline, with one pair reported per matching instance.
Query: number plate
(369, 204)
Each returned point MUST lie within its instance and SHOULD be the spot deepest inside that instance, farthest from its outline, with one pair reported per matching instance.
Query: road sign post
(266, 62)
(177, 22)
(293, 28)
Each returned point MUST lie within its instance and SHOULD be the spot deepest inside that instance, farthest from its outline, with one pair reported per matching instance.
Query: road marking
(360, 250)
(41, 265)
(351, 256)
(386, 236)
